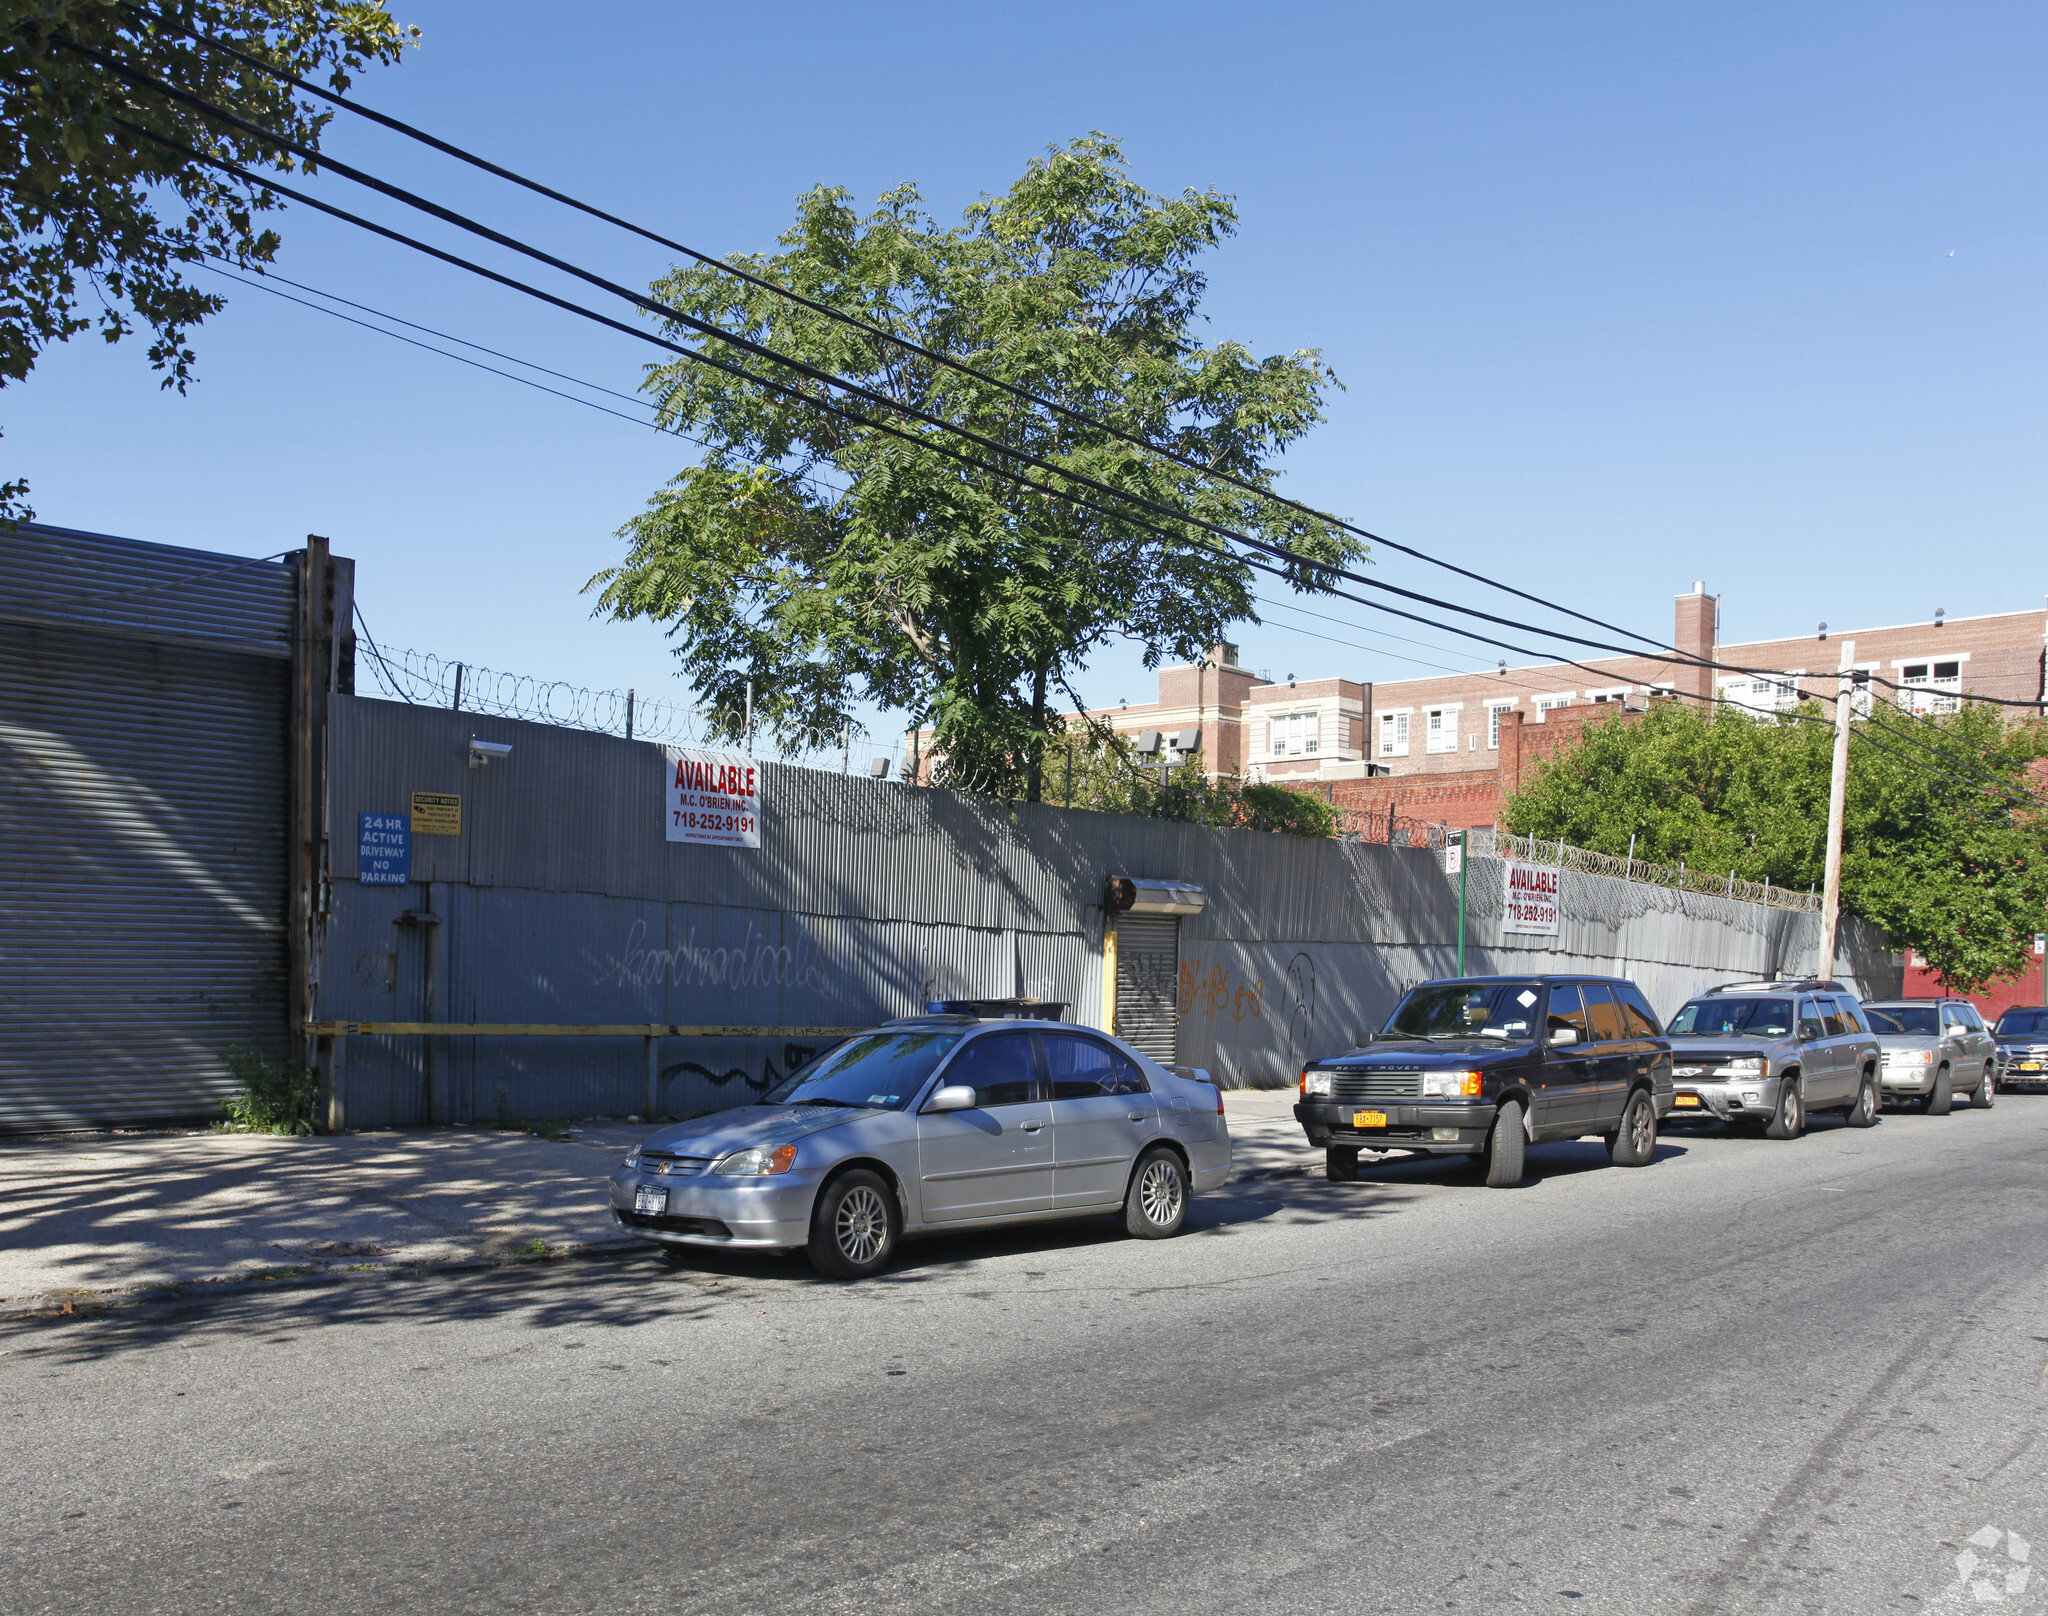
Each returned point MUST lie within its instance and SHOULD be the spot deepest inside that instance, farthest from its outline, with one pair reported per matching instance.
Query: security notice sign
(713, 797)
(1532, 900)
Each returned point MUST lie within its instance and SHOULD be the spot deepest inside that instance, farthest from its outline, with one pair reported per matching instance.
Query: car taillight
(1219, 1099)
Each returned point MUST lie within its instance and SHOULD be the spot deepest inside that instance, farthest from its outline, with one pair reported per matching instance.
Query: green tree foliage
(1098, 769)
(1936, 855)
(864, 568)
(96, 221)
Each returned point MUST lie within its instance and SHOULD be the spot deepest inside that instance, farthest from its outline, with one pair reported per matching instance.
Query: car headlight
(633, 1158)
(1910, 1057)
(1449, 1085)
(1747, 1066)
(758, 1162)
(1315, 1085)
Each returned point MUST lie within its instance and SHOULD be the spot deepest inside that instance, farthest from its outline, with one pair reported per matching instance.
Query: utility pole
(1838, 789)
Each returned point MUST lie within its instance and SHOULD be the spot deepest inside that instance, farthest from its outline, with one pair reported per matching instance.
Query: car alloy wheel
(860, 1227)
(854, 1226)
(1790, 1122)
(1156, 1205)
(1987, 1091)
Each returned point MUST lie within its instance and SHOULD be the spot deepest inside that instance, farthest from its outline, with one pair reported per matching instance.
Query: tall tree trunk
(1035, 778)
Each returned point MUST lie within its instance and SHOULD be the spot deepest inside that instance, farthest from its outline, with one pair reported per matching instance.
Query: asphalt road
(1753, 1377)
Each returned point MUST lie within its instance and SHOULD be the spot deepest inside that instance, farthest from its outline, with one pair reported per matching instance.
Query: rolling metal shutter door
(1148, 983)
(143, 800)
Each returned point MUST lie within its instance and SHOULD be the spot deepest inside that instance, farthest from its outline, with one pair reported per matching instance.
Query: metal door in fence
(1148, 983)
(143, 810)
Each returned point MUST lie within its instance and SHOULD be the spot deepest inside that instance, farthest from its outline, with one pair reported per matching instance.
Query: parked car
(934, 1123)
(2022, 1034)
(1934, 1048)
(1769, 1054)
(1484, 1066)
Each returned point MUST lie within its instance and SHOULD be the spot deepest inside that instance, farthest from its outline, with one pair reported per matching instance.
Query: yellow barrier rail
(548, 1029)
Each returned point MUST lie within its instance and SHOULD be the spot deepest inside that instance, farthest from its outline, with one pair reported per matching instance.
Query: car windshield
(880, 1070)
(1466, 1010)
(1917, 1021)
(1711, 1018)
(2022, 1023)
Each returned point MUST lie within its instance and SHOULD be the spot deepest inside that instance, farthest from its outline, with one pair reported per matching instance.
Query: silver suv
(1768, 1054)
(1936, 1051)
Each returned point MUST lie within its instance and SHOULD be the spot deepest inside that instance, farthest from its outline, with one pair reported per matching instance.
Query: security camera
(482, 752)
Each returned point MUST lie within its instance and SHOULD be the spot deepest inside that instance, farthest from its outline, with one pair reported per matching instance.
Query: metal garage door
(1148, 983)
(143, 812)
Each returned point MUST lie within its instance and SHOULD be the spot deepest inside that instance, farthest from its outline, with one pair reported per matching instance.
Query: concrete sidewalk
(85, 1217)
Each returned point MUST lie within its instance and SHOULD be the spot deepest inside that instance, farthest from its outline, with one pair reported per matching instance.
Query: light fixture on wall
(1939, 613)
(1823, 631)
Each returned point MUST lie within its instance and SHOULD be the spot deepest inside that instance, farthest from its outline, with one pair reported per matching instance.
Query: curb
(85, 1303)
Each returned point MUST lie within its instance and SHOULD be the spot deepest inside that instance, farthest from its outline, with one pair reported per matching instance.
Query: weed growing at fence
(503, 1121)
(273, 1096)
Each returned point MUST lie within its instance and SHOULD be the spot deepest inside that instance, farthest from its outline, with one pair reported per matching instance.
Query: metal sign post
(1454, 855)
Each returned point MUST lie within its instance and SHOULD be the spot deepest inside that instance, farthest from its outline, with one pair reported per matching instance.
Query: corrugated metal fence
(561, 901)
(142, 824)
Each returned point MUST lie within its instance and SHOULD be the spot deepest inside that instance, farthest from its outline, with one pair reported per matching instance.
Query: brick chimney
(1696, 634)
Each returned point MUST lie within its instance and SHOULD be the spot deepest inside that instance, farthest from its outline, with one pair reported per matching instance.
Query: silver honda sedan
(934, 1123)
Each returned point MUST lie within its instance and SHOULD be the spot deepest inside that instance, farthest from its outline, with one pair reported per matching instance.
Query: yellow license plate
(2026, 1066)
(1692, 1100)
(1368, 1119)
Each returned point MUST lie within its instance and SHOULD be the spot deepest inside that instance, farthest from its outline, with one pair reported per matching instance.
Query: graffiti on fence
(1208, 993)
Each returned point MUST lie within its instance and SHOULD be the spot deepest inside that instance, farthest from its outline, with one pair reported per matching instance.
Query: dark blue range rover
(1482, 1066)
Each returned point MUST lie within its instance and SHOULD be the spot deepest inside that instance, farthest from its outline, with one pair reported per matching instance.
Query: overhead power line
(883, 333)
(825, 378)
(829, 381)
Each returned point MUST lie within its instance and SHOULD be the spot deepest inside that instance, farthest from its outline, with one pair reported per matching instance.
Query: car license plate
(2026, 1066)
(1368, 1119)
(651, 1198)
(1692, 1100)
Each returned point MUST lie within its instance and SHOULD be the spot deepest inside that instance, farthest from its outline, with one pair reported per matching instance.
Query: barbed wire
(1559, 855)
(426, 679)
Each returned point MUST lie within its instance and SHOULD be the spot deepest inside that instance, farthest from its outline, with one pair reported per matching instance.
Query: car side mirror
(953, 1097)
(1563, 1036)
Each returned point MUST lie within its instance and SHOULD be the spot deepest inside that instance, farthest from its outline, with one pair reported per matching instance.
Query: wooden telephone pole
(1838, 789)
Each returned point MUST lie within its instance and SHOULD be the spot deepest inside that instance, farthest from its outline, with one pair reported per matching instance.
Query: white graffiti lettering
(753, 963)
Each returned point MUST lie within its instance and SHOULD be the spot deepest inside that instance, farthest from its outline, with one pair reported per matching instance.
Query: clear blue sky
(1623, 296)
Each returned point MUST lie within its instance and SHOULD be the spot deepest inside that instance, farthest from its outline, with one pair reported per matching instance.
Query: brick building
(1451, 747)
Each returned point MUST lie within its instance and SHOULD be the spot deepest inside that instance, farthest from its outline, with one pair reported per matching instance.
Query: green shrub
(274, 1095)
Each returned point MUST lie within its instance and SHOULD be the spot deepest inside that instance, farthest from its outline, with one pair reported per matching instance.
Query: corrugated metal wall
(142, 825)
(562, 902)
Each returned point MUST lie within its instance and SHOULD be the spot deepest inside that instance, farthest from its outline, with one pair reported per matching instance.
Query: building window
(1295, 734)
(1394, 734)
(1441, 733)
(1859, 692)
(1547, 704)
(1600, 697)
(1774, 693)
(1495, 710)
(1930, 687)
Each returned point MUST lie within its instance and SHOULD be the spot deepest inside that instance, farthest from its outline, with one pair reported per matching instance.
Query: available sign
(384, 853)
(1532, 900)
(713, 797)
